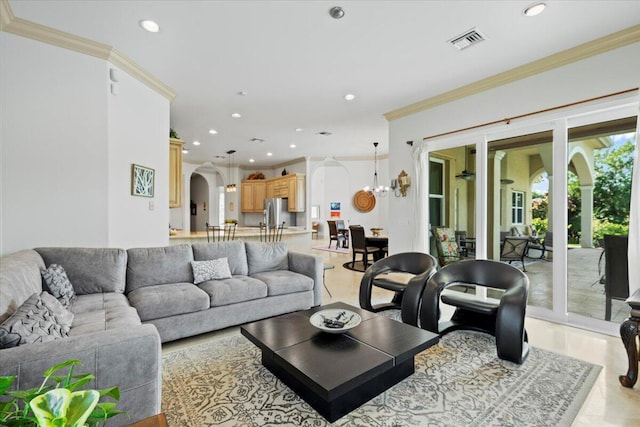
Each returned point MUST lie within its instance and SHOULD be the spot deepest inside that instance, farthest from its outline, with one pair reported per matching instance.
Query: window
(436, 192)
(517, 207)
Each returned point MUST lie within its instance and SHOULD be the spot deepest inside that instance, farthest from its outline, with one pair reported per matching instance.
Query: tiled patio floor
(586, 294)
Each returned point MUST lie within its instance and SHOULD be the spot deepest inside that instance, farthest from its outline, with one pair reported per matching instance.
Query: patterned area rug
(459, 382)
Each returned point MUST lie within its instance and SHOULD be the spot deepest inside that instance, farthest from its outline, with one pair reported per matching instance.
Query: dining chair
(333, 233)
(344, 231)
(359, 246)
(315, 228)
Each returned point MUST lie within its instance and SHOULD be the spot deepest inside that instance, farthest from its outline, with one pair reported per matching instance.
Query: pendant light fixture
(231, 188)
(376, 190)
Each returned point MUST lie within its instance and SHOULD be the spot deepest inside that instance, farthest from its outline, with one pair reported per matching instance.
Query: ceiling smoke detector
(467, 39)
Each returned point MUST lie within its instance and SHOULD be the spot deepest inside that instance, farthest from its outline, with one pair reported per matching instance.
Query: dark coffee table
(336, 373)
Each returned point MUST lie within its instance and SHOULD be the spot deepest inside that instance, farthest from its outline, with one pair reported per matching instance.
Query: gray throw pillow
(63, 316)
(59, 285)
(213, 269)
(32, 322)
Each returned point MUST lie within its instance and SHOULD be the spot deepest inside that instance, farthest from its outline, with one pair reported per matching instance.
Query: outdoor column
(586, 216)
(493, 204)
(550, 204)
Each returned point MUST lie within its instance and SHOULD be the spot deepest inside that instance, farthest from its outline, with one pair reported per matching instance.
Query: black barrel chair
(420, 264)
(504, 320)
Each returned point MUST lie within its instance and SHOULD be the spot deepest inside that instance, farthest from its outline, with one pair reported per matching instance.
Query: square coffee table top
(333, 364)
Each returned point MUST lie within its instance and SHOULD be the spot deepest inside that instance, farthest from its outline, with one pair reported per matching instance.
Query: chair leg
(607, 309)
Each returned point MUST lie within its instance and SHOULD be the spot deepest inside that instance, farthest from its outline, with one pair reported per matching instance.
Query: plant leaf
(5, 383)
(80, 407)
(113, 392)
(50, 408)
(59, 366)
(81, 381)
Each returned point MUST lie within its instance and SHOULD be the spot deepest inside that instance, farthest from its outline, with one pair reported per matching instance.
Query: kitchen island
(296, 238)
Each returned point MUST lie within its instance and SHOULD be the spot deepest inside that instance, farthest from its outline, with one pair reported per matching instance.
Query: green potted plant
(60, 405)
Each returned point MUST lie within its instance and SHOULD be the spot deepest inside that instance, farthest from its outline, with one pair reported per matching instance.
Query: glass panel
(518, 200)
(599, 194)
(452, 198)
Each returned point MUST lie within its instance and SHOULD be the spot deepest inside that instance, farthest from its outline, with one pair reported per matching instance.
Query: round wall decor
(364, 201)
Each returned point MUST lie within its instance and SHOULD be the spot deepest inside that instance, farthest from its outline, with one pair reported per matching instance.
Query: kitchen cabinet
(291, 187)
(175, 172)
(253, 193)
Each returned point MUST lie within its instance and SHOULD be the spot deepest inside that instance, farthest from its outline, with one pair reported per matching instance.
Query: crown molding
(595, 47)
(42, 33)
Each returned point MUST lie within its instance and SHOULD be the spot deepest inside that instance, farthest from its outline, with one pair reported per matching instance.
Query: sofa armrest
(127, 358)
(311, 266)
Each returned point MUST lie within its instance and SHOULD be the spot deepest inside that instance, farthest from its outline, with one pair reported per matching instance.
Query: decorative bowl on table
(335, 321)
(376, 231)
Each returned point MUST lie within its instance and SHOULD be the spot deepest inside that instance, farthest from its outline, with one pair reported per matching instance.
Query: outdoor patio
(586, 294)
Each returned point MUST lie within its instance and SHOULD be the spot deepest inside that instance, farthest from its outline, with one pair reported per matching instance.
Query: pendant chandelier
(376, 190)
(231, 188)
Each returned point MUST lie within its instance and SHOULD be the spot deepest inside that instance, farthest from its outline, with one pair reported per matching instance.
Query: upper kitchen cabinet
(175, 172)
(253, 193)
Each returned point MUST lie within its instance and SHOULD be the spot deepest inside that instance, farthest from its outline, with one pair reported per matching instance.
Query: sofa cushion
(233, 290)
(107, 301)
(234, 251)
(212, 269)
(59, 285)
(19, 279)
(91, 270)
(157, 266)
(63, 316)
(33, 322)
(266, 257)
(281, 282)
(154, 302)
(102, 312)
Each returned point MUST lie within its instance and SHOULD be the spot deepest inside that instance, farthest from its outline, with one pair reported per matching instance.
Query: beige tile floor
(608, 404)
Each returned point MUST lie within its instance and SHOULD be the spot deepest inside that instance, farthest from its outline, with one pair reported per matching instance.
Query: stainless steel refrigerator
(276, 211)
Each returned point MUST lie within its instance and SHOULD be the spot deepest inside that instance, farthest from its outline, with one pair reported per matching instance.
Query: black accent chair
(504, 320)
(421, 265)
(616, 270)
(514, 249)
(359, 246)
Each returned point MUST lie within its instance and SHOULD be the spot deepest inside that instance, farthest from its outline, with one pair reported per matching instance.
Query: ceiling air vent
(324, 133)
(257, 140)
(468, 38)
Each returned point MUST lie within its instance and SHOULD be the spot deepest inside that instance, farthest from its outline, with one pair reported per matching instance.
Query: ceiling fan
(466, 174)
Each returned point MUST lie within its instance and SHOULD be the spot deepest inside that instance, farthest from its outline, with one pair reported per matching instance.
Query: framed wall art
(142, 181)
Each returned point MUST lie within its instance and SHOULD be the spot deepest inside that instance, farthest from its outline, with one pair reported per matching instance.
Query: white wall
(338, 181)
(67, 148)
(599, 75)
(138, 119)
(54, 146)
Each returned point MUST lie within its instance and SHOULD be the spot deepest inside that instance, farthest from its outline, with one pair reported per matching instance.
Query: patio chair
(446, 246)
(544, 247)
(421, 265)
(461, 240)
(503, 319)
(616, 270)
(514, 249)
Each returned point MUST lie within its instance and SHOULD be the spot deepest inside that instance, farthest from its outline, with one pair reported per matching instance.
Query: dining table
(380, 241)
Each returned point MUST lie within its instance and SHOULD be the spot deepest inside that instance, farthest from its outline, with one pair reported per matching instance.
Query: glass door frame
(559, 121)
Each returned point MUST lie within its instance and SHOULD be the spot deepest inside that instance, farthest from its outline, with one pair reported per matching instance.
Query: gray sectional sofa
(128, 302)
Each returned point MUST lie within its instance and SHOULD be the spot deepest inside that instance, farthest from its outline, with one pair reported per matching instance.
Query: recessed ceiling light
(242, 93)
(213, 131)
(299, 129)
(349, 97)
(196, 142)
(236, 115)
(292, 145)
(251, 160)
(534, 9)
(269, 154)
(185, 151)
(150, 26)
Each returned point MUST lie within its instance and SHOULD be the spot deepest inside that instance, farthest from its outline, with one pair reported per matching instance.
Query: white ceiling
(296, 63)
